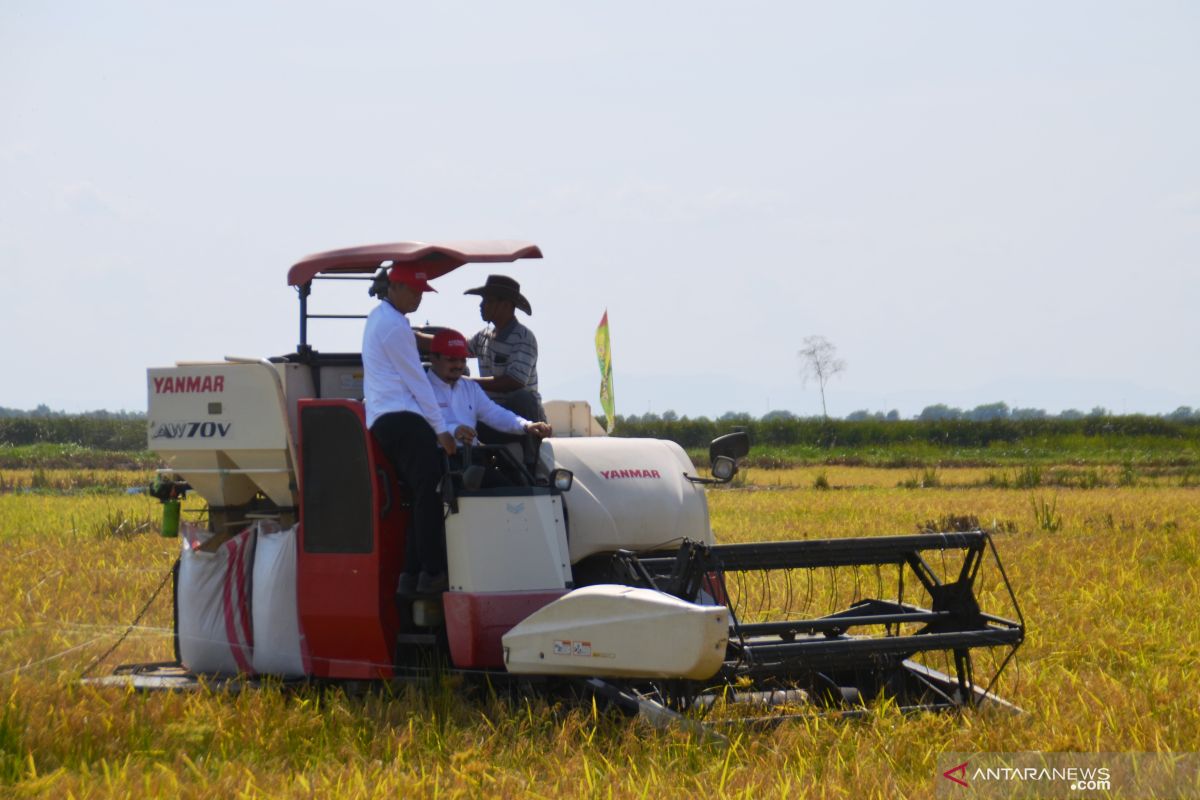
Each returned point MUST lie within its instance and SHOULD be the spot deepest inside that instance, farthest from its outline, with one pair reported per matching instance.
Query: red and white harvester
(594, 567)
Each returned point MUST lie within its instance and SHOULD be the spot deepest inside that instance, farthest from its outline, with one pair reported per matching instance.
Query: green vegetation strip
(1144, 441)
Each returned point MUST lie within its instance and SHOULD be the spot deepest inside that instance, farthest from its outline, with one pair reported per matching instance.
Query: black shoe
(432, 584)
(407, 585)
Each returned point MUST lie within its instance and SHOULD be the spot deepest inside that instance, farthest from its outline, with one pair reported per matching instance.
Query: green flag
(604, 355)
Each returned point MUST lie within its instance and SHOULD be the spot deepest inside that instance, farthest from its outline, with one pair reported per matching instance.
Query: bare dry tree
(819, 361)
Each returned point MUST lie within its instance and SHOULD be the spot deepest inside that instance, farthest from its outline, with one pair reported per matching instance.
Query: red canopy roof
(437, 258)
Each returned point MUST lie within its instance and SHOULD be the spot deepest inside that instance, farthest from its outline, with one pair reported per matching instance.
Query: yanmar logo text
(189, 384)
(629, 473)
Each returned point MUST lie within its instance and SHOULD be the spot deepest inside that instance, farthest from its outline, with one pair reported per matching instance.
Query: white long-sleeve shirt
(464, 403)
(393, 378)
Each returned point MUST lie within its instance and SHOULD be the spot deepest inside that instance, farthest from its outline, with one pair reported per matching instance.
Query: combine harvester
(594, 568)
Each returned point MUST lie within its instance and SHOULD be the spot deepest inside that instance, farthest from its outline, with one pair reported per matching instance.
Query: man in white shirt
(404, 417)
(462, 403)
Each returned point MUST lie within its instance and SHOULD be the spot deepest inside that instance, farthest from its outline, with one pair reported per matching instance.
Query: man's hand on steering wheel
(542, 430)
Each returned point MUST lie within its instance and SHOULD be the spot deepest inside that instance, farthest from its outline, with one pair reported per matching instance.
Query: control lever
(472, 475)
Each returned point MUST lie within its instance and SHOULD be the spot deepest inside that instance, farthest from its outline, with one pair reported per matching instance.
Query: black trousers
(412, 448)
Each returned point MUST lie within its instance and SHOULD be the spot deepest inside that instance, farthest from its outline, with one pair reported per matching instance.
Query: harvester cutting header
(577, 560)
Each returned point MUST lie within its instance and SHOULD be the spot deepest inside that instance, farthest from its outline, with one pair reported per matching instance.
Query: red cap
(414, 278)
(447, 342)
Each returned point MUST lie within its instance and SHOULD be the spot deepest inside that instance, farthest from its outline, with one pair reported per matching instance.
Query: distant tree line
(45, 412)
(97, 433)
(981, 413)
(939, 425)
(990, 411)
(785, 428)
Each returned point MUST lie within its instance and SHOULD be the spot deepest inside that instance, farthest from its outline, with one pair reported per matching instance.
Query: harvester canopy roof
(437, 258)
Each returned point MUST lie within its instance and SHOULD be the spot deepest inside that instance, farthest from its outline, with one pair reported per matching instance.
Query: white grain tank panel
(506, 544)
(297, 385)
(628, 493)
(619, 631)
(233, 406)
(222, 416)
(206, 471)
(342, 381)
(336, 382)
(572, 418)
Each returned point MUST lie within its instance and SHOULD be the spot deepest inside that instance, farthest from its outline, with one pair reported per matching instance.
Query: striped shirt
(511, 351)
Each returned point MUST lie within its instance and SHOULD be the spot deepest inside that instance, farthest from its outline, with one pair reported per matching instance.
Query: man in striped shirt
(507, 350)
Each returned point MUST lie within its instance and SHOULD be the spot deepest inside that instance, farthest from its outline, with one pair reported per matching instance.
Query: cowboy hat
(505, 288)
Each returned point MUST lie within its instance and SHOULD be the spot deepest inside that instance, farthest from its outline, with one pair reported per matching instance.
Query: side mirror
(724, 452)
(731, 445)
(562, 479)
(724, 468)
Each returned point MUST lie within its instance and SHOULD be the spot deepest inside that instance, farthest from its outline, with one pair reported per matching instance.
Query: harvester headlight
(723, 468)
(562, 479)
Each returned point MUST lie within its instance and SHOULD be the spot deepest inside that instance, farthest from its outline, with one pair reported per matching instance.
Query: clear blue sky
(975, 202)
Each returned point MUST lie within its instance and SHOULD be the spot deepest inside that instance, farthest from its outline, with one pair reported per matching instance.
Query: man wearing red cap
(404, 416)
(463, 403)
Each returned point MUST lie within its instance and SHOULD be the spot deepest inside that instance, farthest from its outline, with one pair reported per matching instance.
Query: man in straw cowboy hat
(507, 350)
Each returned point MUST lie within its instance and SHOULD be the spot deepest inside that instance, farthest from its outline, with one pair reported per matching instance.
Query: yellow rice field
(1107, 578)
